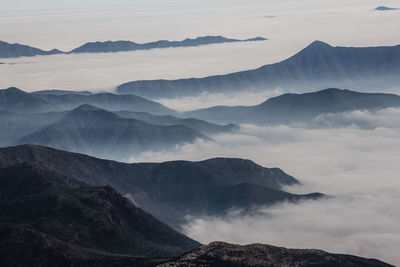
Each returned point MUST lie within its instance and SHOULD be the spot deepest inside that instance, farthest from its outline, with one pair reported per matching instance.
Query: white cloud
(358, 167)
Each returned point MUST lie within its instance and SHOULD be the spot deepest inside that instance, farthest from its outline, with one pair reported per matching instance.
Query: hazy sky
(68, 24)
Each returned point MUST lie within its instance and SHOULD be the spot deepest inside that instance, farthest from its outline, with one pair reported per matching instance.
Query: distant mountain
(104, 134)
(167, 120)
(385, 8)
(291, 108)
(16, 100)
(319, 65)
(169, 190)
(60, 92)
(8, 50)
(219, 254)
(47, 207)
(117, 46)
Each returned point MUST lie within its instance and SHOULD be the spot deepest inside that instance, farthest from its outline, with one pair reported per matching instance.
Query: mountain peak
(318, 44)
(86, 107)
(13, 90)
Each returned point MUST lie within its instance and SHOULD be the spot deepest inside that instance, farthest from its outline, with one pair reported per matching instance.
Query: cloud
(358, 166)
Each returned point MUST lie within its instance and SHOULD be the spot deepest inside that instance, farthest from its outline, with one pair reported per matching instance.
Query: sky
(290, 26)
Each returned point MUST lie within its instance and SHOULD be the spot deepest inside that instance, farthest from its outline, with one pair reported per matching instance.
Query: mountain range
(296, 108)
(8, 50)
(169, 190)
(90, 130)
(49, 219)
(319, 65)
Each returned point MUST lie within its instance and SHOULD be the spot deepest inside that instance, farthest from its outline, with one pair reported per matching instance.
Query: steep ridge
(319, 65)
(169, 190)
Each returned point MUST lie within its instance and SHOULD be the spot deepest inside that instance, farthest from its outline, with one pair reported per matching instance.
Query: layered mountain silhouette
(47, 208)
(220, 254)
(292, 108)
(90, 130)
(169, 190)
(8, 50)
(16, 100)
(196, 124)
(319, 65)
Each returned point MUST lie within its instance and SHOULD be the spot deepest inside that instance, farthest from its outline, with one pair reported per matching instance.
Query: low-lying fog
(359, 167)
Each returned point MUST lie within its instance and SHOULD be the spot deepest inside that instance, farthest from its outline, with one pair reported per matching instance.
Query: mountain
(292, 108)
(90, 130)
(167, 120)
(385, 8)
(116, 46)
(169, 190)
(53, 207)
(319, 65)
(8, 50)
(60, 92)
(16, 100)
(221, 254)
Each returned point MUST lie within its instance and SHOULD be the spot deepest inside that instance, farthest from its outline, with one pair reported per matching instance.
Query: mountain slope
(290, 108)
(96, 218)
(221, 254)
(317, 66)
(98, 132)
(16, 100)
(168, 190)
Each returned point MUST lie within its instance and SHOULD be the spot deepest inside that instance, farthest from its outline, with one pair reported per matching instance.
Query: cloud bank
(357, 165)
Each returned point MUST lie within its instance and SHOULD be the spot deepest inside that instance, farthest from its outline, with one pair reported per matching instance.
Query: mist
(358, 167)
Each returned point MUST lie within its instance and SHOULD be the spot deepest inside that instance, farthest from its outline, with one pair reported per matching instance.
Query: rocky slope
(47, 205)
(220, 254)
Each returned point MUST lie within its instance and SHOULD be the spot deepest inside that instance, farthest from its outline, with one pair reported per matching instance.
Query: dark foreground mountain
(16, 100)
(8, 50)
(294, 108)
(43, 207)
(169, 190)
(101, 133)
(317, 66)
(220, 254)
